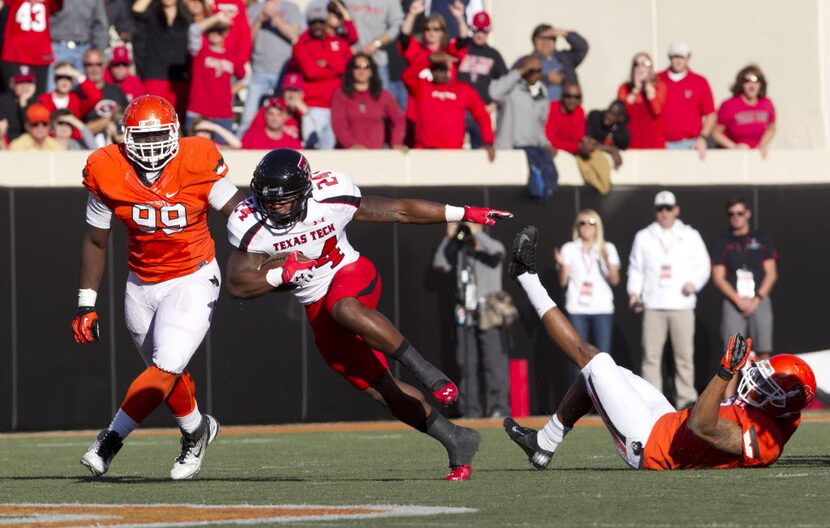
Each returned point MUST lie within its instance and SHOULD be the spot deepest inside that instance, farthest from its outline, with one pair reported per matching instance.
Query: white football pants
(168, 320)
(628, 404)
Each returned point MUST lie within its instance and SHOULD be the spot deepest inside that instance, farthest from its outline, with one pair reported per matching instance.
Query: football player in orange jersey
(747, 430)
(160, 187)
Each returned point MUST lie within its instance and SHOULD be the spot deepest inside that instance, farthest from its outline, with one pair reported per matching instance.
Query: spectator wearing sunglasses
(36, 137)
(558, 66)
(80, 100)
(565, 126)
(607, 133)
(747, 119)
(667, 266)
(588, 267)
(744, 270)
(645, 96)
(113, 98)
(364, 115)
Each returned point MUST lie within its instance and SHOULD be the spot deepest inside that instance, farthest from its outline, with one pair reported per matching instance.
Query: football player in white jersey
(295, 211)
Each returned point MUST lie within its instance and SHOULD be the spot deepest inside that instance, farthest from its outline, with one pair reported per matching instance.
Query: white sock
(536, 293)
(191, 421)
(122, 424)
(550, 436)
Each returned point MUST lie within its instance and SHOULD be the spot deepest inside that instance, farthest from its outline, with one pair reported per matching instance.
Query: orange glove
(737, 352)
(85, 327)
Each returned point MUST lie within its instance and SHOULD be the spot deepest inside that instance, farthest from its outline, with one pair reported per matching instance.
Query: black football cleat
(525, 437)
(523, 259)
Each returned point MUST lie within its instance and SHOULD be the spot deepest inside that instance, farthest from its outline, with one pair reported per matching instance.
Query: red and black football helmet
(781, 385)
(283, 176)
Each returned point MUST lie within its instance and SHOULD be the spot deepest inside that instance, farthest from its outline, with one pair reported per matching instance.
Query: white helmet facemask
(758, 387)
(154, 155)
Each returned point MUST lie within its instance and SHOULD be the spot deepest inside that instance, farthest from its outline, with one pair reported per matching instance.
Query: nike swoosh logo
(172, 194)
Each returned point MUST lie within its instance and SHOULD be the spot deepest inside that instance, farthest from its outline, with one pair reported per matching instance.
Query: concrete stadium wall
(468, 167)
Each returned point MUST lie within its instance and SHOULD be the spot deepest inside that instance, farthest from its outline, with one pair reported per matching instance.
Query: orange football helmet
(781, 385)
(145, 121)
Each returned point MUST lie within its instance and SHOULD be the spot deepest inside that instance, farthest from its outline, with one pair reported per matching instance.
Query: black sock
(461, 443)
(427, 373)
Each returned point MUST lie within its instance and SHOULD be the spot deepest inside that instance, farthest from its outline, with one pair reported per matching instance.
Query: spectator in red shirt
(440, 108)
(27, 41)
(320, 55)
(565, 127)
(78, 102)
(689, 114)
(212, 72)
(747, 119)
(275, 131)
(433, 37)
(645, 97)
(363, 114)
(118, 73)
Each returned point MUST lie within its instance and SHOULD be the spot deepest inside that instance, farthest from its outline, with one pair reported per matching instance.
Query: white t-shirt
(321, 235)
(588, 290)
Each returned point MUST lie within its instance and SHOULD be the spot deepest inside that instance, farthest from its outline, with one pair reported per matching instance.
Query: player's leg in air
(355, 349)
(628, 405)
(167, 321)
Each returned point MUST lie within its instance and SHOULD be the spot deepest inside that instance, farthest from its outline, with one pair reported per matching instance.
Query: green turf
(586, 485)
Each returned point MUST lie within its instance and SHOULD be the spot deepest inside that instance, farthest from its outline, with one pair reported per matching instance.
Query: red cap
(481, 21)
(292, 81)
(24, 74)
(276, 102)
(120, 55)
(37, 113)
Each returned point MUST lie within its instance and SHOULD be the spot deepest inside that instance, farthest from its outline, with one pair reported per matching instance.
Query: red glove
(737, 352)
(483, 215)
(85, 327)
(297, 273)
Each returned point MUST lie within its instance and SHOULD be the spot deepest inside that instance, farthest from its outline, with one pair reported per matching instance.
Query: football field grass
(586, 485)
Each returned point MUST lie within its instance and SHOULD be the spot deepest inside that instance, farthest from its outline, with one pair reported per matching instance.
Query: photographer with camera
(481, 310)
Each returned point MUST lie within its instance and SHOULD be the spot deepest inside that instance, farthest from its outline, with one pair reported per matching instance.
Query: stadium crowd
(351, 74)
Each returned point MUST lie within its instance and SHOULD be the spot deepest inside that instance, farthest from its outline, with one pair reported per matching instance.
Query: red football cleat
(460, 473)
(446, 394)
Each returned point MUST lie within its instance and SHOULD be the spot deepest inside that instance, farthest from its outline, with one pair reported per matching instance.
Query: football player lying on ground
(160, 187)
(748, 430)
(293, 210)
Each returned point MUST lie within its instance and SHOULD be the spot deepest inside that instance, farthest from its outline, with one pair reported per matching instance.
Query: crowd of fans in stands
(349, 74)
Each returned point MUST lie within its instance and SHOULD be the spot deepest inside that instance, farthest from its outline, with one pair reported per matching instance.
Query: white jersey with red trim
(321, 235)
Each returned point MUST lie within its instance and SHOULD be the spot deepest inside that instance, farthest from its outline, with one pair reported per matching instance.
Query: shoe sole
(88, 465)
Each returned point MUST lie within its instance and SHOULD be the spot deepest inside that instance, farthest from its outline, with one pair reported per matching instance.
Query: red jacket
(322, 63)
(417, 59)
(131, 85)
(81, 100)
(441, 111)
(564, 131)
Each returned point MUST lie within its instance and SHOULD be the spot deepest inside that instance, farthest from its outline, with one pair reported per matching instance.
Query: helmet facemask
(759, 389)
(147, 145)
(282, 221)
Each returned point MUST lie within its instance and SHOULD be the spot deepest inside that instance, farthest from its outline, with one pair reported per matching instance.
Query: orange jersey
(672, 445)
(167, 227)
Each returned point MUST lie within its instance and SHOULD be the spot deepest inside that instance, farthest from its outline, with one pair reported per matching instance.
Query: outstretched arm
(412, 211)
(705, 422)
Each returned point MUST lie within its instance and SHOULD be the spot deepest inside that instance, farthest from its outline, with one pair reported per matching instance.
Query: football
(277, 260)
